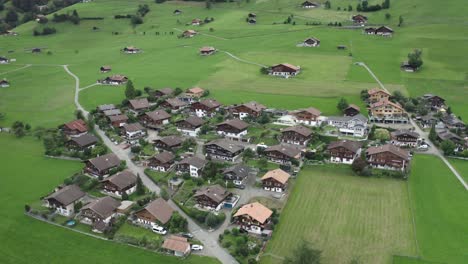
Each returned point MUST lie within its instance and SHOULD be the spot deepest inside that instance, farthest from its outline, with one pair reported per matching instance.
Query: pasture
(461, 166)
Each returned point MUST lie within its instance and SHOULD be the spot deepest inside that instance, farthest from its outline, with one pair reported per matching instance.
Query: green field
(346, 217)
(461, 166)
(26, 176)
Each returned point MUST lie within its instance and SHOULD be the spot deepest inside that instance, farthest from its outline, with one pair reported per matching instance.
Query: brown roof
(389, 148)
(171, 140)
(254, 106)
(386, 102)
(175, 102)
(195, 90)
(122, 179)
(166, 91)
(160, 209)
(287, 65)
(194, 161)
(140, 103)
(158, 115)
(311, 110)
(85, 140)
(287, 150)
(278, 174)
(404, 132)
(67, 194)
(228, 145)
(105, 162)
(190, 31)
(117, 77)
(104, 207)
(235, 123)
(106, 68)
(302, 130)
(214, 192)
(353, 106)
(194, 121)
(78, 125)
(210, 103)
(353, 146)
(176, 243)
(207, 49)
(164, 157)
(255, 210)
(116, 118)
(133, 127)
(377, 90)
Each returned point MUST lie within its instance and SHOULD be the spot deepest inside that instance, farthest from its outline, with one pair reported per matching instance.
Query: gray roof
(67, 194)
(214, 192)
(105, 162)
(239, 170)
(404, 154)
(210, 103)
(194, 161)
(229, 145)
(85, 140)
(122, 179)
(140, 103)
(171, 141)
(360, 117)
(133, 127)
(194, 121)
(160, 209)
(112, 112)
(353, 146)
(158, 115)
(104, 207)
(302, 130)
(166, 91)
(106, 107)
(175, 102)
(164, 157)
(235, 123)
(118, 118)
(288, 150)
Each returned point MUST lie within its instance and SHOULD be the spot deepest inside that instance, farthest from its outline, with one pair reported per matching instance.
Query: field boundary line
(242, 60)
(24, 67)
(209, 35)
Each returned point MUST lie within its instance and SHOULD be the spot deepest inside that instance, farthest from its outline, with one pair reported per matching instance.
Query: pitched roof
(104, 207)
(158, 115)
(377, 90)
(353, 106)
(229, 145)
(359, 117)
(288, 65)
(240, 170)
(195, 90)
(176, 243)
(302, 130)
(85, 140)
(122, 179)
(278, 174)
(287, 150)
(117, 77)
(171, 140)
(384, 28)
(207, 49)
(255, 210)
(116, 118)
(164, 157)
(193, 120)
(312, 40)
(214, 192)
(133, 127)
(389, 148)
(385, 102)
(166, 91)
(160, 209)
(353, 146)
(175, 102)
(105, 107)
(404, 132)
(140, 103)
(235, 123)
(67, 194)
(254, 106)
(310, 110)
(210, 103)
(194, 161)
(105, 162)
(112, 112)
(78, 125)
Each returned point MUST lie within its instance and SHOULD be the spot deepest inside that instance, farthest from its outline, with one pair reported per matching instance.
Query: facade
(376, 95)
(120, 183)
(355, 126)
(275, 180)
(75, 128)
(205, 108)
(352, 110)
(388, 157)
(168, 143)
(253, 217)
(385, 111)
(405, 138)
(344, 151)
(162, 161)
(155, 119)
(309, 4)
(63, 200)
(250, 109)
(211, 197)
(191, 165)
(234, 128)
(138, 106)
(101, 166)
(133, 131)
(118, 120)
(157, 212)
(100, 210)
(285, 70)
(237, 173)
(309, 116)
(190, 126)
(223, 149)
(283, 154)
(296, 135)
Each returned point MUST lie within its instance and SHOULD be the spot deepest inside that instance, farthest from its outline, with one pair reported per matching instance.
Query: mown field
(346, 217)
(27, 175)
(461, 166)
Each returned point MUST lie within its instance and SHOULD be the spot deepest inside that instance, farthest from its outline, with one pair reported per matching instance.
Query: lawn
(345, 216)
(461, 166)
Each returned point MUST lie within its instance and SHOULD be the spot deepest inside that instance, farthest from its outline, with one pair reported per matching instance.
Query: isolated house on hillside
(114, 80)
(190, 126)
(63, 200)
(189, 33)
(384, 31)
(285, 70)
(344, 151)
(311, 42)
(101, 166)
(105, 69)
(309, 4)
(177, 12)
(207, 51)
(131, 50)
(359, 19)
(157, 212)
(120, 183)
(4, 83)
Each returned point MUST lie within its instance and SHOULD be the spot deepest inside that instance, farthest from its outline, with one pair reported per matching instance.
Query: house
(157, 212)
(352, 110)
(118, 120)
(112, 112)
(207, 107)
(369, 31)
(275, 180)
(308, 4)
(428, 120)
(309, 116)
(237, 173)
(161, 161)
(63, 200)
(133, 131)
(169, 143)
(177, 245)
(434, 101)
(252, 15)
(344, 151)
(75, 128)
(250, 109)
(190, 126)
(283, 154)
(233, 128)
(164, 92)
(114, 80)
(4, 60)
(105, 107)
(36, 50)
(223, 149)
(105, 69)
(359, 19)
(253, 217)
(384, 31)
(4, 83)
(174, 104)
(194, 93)
(189, 33)
(138, 106)
(196, 22)
(131, 50)
(252, 21)
(101, 166)
(100, 210)
(341, 47)
(355, 126)
(405, 138)
(191, 165)
(386, 111)
(177, 12)
(155, 119)
(443, 134)
(207, 51)
(377, 94)
(83, 142)
(407, 67)
(453, 122)
(311, 42)
(389, 157)
(284, 70)
(296, 135)
(120, 183)
(211, 197)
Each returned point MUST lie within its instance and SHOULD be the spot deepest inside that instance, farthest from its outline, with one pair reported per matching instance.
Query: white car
(159, 230)
(197, 247)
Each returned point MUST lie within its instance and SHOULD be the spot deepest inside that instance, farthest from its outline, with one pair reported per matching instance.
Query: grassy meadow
(461, 166)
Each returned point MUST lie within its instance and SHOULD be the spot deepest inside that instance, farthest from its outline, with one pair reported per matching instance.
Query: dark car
(186, 235)
(239, 186)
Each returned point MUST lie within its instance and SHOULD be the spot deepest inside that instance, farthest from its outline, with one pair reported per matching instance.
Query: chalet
(105, 107)
(83, 142)
(190, 126)
(177, 12)
(63, 200)
(405, 138)
(36, 50)
(428, 120)
(207, 107)
(120, 183)
(237, 173)
(311, 42)
(384, 31)
(196, 22)
(207, 51)
(4, 83)
(309, 116)
(193, 94)
(344, 151)
(309, 4)
(75, 128)
(388, 157)
(191, 165)
(211, 197)
(453, 122)
(223, 149)
(112, 112)
(157, 212)
(131, 50)
(359, 19)
(296, 135)
(101, 166)
(164, 92)
(138, 106)
(114, 80)
(275, 180)
(253, 217)
(369, 31)
(386, 111)
(341, 47)
(283, 154)
(177, 245)
(133, 131)
(250, 109)
(252, 15)
(407, 67)
(105, 69)
(100, 210)
(174, 104)
(352, 110)
(155, 119)
(169, 143)
(376, 95)
(251, 20)
(443, 134)
(355, 126)
(189, 33)
(234, 128)
(118, 120)
(435, 102)
(284, 70)
(162, 161)
(4, 60)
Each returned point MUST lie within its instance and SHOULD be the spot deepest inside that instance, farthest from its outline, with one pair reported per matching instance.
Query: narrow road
(208, 35)
(242, 60)
(25, 66)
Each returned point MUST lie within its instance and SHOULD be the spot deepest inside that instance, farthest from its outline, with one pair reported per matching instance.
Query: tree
(433, 134)
(449, 110)
(140, 189)
(211, 220)
(358, 165)
(327, 5)
(130, 90)
(414, 59)
(448, 147)
(18, 129)
(382, 134)
(11, 17)
(124, 196)
(342, 104)
(177, 91)
(400, 21)
(248, 154)
(164, 193)
(350, 8)
(388, 16)
(386, 4)
(304, 254)
(264, 118)
(210, 171)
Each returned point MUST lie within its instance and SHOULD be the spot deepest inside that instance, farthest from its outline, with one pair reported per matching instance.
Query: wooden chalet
(352, 110)
(386, 111)
(162, 161)
(211, 197)
(233, 128)
(190, 126)
(138, 106)
(275, 180)
(283, 153)
(176, 245)
(105, 69)
(191, 165)
(4, 83)
(131, 50)
(164, 92)
(377, 94)
(384, 31)
(309, 116)
(133, 131)
(359, 19)
(434, 101)
(157, 212)
(83, 142)
(309, 4)
(118, 120)
(250, 109)
(285, 70)
(389, 157)
(63, 199)
(4, 60)
(169, 143)
(100, 210)
(237, 173)
(296, 135)
(223, 149)
(177, 12)
(114, 80)
(189, 33)
(204, 51)
(175, 104)
(120, 183)
(75, 128)
(155, 119)
(251, 20)
(344, 151)
(253, 217)
(196, 22)
(101, 166)
(207, 107)
(311, 42)
(252, 15)
(405, 138)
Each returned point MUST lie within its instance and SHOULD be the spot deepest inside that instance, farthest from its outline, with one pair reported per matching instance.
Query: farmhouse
(174, 104)
(75, 128)
(311, 42)
(158, 212)
(252, 15)
(133, 131)
(105, 107)
(105, 69)
(234, 128)
(251, 20)
(164, 92)
(101, 166)
(250, 109)
(308, 4)
(207, 107)
(190, 126)
(385, 111)
(309, 116)
(155, 119)
(237, 173)
(120, 183)
(4, 83)
(453, 122)
(114, 80)
(118, 120)
(63, 200)
(376, 95)
(131, 50)
(296, 135)
(388, 157)
(194, 93)
(196, 22)
(4, 60)
(384, 31)
(138, 106)
(162, 161)
(191, 165)
(207, 51)
(177, 245)
(283, 154)
(369, 31)
(344, 151)
(168, 143)
(405, 138)
(100, 210)
(36, 50)
(355, 126)
(83, 142)
(284, 70)
(352, 110)
(275, 180)
(189, 33)
(112, 112)
(434, 101)
(223, 149)
(177, 12)
(253, 217)
(211, 197)
(359, 19)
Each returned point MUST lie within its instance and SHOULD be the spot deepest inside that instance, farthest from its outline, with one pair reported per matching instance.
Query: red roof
(78, 125)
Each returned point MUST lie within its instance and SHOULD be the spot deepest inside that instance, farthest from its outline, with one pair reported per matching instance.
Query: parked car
(239, 186)
(197, 247)
(159, 230)
(186, 235)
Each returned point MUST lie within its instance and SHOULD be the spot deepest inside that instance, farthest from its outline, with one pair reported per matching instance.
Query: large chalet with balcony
(99, 213)
(355, 126)
(169, 143)
(285, 70)
(175, 104)
(309, 116)
(405, 138)
(162, 161)
(234, 128)
(211, 197)
(138, 106)
(389, 157)
(376, 95)
(283, 153)
(120, 183)
(250, 109)
(157, 212)
(191, 165)
(207, 107)
(223, 149)
(155, 119)
(386, 111)
(118, 120)
(63, 199)
(296, 135)
(133, 131)
(344, 151)
(253, 217)
(434, 101)
(275, 180)
(75, 128)
(102, 165)
(190, 126)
